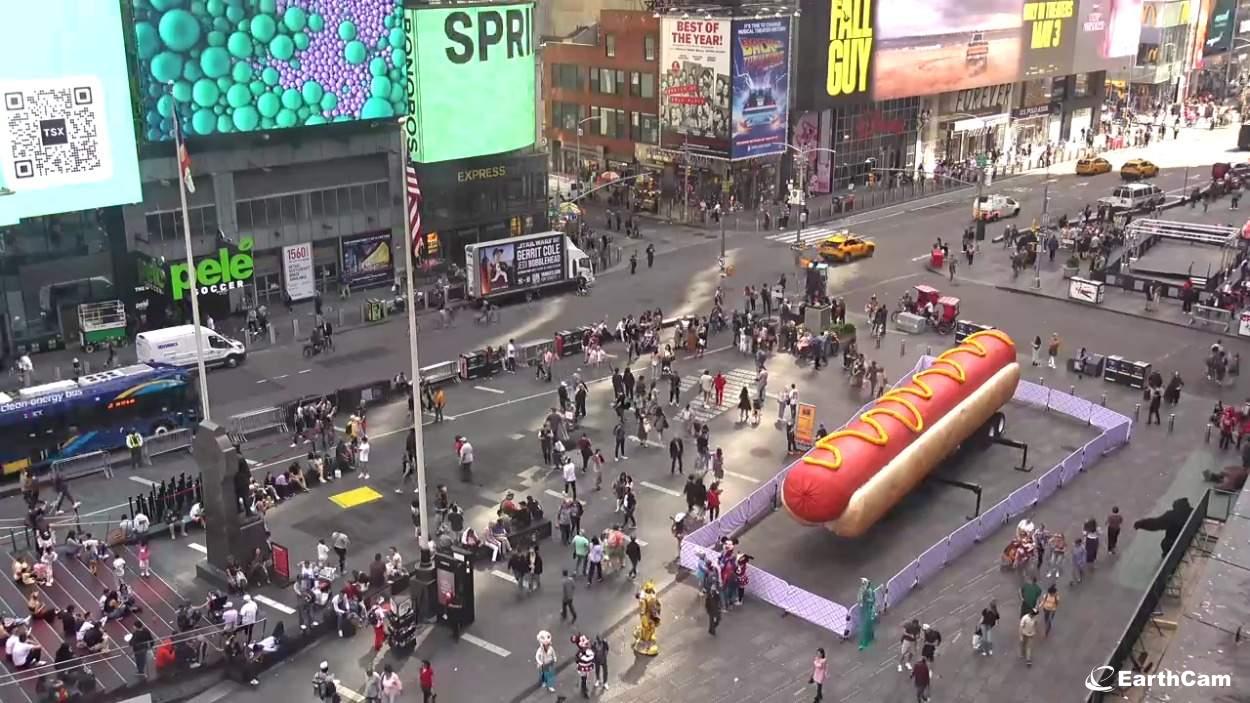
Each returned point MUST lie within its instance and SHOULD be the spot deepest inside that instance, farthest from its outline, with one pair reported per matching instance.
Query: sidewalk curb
(1127, 313)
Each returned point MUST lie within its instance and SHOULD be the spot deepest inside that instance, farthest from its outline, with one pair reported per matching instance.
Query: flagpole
(423, 514)
(193, 283)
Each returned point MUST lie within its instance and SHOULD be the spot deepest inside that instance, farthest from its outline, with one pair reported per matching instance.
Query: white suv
(1135, 196)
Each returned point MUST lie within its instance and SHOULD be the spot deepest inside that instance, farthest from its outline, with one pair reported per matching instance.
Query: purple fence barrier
(900, 585)
(1105, 418)
(1049, 482)
(1118, 435)
(1021, 500)
(930, 562)
(991, 520)
(769, 588)
(818, 611)
(1031, 394)
(1069, 405)
(961, 540)
(1070, 467)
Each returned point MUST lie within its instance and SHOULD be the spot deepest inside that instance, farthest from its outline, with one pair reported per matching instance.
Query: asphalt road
(500, 416)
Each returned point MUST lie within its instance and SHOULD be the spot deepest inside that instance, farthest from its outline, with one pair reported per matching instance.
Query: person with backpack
(324, 687)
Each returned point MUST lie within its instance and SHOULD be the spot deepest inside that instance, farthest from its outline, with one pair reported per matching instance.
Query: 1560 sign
(850, 47)
(218, 274)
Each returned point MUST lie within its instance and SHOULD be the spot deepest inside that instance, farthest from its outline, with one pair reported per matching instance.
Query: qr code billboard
(53, 132)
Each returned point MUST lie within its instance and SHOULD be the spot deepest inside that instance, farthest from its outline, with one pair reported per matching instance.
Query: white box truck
(176, 346)
(524, 266)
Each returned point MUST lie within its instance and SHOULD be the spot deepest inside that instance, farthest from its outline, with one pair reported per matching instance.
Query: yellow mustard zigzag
(949, 368)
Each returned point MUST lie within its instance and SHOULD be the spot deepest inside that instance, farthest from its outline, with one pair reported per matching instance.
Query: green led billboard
(67, 139)
(470, 80)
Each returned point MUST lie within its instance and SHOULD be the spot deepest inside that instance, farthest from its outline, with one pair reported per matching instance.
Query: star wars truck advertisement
(695, 85)
(761, 87)
(518, 265)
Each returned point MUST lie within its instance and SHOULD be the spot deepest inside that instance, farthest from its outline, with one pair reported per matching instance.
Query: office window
(609, 42)
(648, 47)
(1081, 87)
(635, 83)
(610, 123)
(606, 81)
(648, 85)
(565, 115)
(644, 128)
(567, 76)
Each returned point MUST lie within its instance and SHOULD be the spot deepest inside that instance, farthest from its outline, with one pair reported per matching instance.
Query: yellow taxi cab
(1093, 166)
(845, 246)
(1138, 168)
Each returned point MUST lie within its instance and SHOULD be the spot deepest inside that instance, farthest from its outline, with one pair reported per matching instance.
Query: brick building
(605, 78)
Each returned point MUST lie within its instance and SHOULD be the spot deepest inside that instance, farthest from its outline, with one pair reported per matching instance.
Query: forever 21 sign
(989, 99)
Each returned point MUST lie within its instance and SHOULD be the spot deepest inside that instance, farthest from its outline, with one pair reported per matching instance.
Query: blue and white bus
(59, 420)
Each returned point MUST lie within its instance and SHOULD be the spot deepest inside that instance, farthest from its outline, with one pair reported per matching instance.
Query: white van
(176, 346)
(1135, 196)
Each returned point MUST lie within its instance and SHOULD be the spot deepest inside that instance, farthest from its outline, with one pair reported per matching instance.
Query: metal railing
(1147, 607)
(238, 427)
(82, 464)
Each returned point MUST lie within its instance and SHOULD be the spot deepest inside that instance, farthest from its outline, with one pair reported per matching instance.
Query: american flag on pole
(184, 157)
(412, 188)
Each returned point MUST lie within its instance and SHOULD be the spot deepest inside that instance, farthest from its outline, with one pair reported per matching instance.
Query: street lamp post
(578, 166)
(800, 198)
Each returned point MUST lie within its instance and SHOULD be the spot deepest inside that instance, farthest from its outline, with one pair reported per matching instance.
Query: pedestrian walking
(465, 455)
(340, 542)
(392, 685)
(1037, 350)
(545, 658)
(921, 676)
(712, 605)
(633, 551)
(1028, 629)
(134, 443)
(141, 646)
(362, 456)
(1078, 560)
(989, 618)
(600, 648)
(570, 478)
(820, 668)
(594, 561)
(907, 644)
(581, 552)
(373, 685)
(1052, 350)
(744, 405)
(1050, 605)
(1091, 542)
(1030, 594)
(676, 450)
(426, 679)
(567, 587)
(440, 402)
(630, 505)
(618, 434)
(930, 639)
(1114, 522)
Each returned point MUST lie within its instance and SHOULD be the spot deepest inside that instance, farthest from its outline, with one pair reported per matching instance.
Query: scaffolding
(100, 323)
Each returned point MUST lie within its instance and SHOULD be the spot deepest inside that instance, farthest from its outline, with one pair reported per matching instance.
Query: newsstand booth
(453, 577)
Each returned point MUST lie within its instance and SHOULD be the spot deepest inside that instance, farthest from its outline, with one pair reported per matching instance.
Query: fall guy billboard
(761, 87)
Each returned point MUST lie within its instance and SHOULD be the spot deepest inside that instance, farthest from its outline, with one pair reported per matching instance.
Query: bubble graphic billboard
(234, 66)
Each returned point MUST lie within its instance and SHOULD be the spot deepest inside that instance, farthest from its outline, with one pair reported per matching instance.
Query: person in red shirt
(920, 676)
(426, 678)
(713, 500)
(718, 383)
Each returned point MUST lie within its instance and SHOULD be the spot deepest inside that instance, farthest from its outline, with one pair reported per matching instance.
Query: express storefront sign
(990, 100)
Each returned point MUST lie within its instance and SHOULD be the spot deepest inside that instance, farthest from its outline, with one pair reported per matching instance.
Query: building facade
(605, 79)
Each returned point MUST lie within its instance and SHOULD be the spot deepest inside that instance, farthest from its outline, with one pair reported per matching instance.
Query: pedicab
(937, 260)
(1020, 551)
(915, 303)
(945, 314)
(614, 541)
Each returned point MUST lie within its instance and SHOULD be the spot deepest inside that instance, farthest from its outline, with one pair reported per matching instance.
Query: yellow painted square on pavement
(356, 496)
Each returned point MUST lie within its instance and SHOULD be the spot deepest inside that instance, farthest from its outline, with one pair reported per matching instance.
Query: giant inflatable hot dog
(851, 478)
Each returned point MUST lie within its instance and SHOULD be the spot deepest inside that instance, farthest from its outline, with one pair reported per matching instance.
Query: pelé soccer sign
(219, 273)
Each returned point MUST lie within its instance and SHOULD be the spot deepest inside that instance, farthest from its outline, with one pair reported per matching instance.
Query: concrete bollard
(902, 347)
(294, 328)
(273, 334)
(1041, 380)
(928, 351)
(1103, 402)
(1171, 422)
(1207, 439)
(877, 340)
(1072, 391)
(1136, 412)
(58, 373)
(340, 317)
